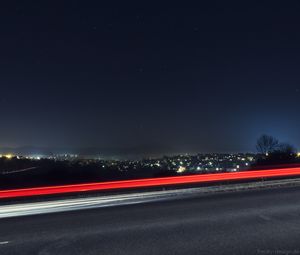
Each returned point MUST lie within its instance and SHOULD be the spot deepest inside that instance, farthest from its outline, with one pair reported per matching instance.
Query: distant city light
(9, 156)
(298, 154)
(179, 163)
(181, 169)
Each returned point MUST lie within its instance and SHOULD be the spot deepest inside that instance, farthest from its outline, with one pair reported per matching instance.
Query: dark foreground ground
(248, 222)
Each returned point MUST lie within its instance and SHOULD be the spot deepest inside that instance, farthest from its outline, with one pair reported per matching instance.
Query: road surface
(245, 222)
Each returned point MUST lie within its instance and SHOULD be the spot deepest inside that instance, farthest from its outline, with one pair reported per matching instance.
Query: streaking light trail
(150, 182)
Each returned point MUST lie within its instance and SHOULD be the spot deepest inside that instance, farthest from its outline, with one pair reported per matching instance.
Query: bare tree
(287, 148)
(267, 144)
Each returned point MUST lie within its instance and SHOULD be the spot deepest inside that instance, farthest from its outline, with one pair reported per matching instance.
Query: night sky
(174, 78)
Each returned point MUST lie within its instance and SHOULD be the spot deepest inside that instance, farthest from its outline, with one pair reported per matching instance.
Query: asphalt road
(248, 222)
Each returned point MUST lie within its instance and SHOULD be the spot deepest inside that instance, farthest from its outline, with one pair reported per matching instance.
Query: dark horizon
(210, 77)
(108, 153)
(123, 153)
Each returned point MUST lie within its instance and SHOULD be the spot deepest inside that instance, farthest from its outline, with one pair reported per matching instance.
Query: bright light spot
(247, 164)
(298, 154)
(181, 169)
(4, 242)
(8, 156)
(237, 166)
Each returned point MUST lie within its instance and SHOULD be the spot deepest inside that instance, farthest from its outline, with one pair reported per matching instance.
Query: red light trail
(150, 182)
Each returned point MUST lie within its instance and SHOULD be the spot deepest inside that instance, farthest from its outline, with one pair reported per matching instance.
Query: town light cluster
(8, 156)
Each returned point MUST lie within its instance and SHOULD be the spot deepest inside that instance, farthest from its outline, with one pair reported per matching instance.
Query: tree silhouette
(272, 152)
(267, 144)
(285, 153)
(286, 148)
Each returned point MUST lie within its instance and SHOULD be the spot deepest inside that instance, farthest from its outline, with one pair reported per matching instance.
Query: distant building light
(9, 156)
(298, 154)
(181, 169)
